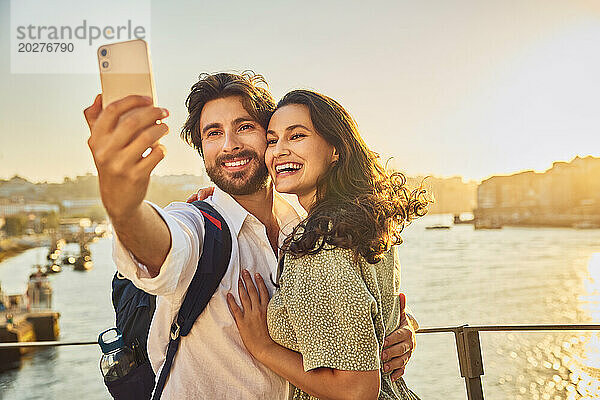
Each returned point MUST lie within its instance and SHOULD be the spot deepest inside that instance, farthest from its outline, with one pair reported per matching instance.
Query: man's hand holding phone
(117, 143)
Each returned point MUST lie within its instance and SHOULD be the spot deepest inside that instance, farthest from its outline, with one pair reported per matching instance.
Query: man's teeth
(288, 167)
(237, 163)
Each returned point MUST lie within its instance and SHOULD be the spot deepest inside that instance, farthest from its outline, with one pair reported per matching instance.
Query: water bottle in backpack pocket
(117, 359)
(126, 376)
(134, 309)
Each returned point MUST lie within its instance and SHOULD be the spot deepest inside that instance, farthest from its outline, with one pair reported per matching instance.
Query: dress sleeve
(331, 311)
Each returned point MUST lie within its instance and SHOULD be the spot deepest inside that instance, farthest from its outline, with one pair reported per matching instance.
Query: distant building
(451, 195)
(80, 205)
(35, 214)
(16, 186)
(565, 195)
(8, 208)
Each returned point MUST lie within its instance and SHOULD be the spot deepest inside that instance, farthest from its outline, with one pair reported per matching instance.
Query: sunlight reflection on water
(509, 276)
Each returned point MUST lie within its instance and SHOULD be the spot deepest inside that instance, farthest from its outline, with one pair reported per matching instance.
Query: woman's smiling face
(297, 156)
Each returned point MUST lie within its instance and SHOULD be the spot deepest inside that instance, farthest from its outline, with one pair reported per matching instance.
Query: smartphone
(125, 69)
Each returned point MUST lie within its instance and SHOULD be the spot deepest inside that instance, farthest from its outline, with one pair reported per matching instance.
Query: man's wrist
(126, 219)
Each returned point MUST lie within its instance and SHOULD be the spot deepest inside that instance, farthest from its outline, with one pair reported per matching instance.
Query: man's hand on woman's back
(399, 345)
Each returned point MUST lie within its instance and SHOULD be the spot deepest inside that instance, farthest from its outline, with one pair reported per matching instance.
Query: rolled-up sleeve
(186, 226)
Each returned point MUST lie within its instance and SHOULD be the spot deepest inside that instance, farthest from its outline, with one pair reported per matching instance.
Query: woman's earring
(335, 156)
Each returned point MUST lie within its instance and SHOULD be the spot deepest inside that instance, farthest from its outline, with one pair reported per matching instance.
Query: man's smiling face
(234, 145)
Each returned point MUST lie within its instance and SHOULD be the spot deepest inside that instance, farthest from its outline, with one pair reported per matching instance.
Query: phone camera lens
(103, 52)
(105, 64)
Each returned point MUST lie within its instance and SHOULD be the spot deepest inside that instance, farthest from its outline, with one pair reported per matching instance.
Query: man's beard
(248, 181)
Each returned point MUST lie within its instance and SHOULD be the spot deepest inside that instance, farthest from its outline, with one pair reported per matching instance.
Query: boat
(53, 268)
(84, 261)
(27, 318)
(83, 264)
(438, 227)
(55, 249)
(458, 221)
(69, 259)
(586, 225)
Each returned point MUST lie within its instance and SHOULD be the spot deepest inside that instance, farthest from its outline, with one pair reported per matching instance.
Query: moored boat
(84, 261)
(27, 318)
(438, 227)
(458, 221)
(586, 225)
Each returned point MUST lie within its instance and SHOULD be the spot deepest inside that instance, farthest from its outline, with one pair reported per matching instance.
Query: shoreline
(6, 254)
(13, 246)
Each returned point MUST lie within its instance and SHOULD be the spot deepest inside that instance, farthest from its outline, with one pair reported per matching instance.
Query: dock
(26, 327)
(27, 317)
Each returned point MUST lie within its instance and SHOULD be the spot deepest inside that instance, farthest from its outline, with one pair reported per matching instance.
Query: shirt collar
(236, 213)
(286, 215)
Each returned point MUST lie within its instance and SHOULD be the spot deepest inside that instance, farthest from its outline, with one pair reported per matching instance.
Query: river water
(450, 277)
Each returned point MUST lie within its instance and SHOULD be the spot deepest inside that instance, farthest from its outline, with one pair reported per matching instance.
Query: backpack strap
(213, 263)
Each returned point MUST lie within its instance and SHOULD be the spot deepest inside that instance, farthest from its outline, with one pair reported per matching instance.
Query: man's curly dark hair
(251, 87)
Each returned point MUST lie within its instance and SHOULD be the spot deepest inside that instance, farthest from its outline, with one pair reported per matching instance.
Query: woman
(339, 280)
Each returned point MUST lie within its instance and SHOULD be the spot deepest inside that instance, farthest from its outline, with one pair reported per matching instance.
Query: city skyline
(439, 176)
(566, 194)
(457, 88)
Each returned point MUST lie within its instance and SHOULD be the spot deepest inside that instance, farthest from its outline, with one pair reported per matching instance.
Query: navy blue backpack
(134, 309)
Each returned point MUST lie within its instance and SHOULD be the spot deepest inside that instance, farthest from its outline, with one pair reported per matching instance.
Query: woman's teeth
(237, 163)
(288, 167)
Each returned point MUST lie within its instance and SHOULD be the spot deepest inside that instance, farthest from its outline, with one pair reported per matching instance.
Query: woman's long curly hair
(358, 204)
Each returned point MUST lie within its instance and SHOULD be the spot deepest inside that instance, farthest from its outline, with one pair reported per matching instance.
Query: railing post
(470, 360)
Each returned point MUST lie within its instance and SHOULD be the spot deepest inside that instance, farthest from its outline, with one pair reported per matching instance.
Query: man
(158, 249)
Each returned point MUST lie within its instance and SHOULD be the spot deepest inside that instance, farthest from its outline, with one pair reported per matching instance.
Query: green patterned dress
(336, 312)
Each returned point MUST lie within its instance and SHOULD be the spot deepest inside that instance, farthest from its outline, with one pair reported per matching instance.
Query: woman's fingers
(250, 297)
(262, 290)
(234, 309)
(244, 298)
(252, 292)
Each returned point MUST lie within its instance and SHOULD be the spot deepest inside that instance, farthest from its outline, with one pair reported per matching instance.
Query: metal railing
(468, 347)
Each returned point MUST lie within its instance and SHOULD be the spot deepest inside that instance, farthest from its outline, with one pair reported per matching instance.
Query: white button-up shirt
(212, 362)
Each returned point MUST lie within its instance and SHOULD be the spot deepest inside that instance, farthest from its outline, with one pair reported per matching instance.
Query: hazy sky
(448, 87)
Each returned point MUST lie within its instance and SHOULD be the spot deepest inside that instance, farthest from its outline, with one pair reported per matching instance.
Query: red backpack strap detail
(212, 219)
